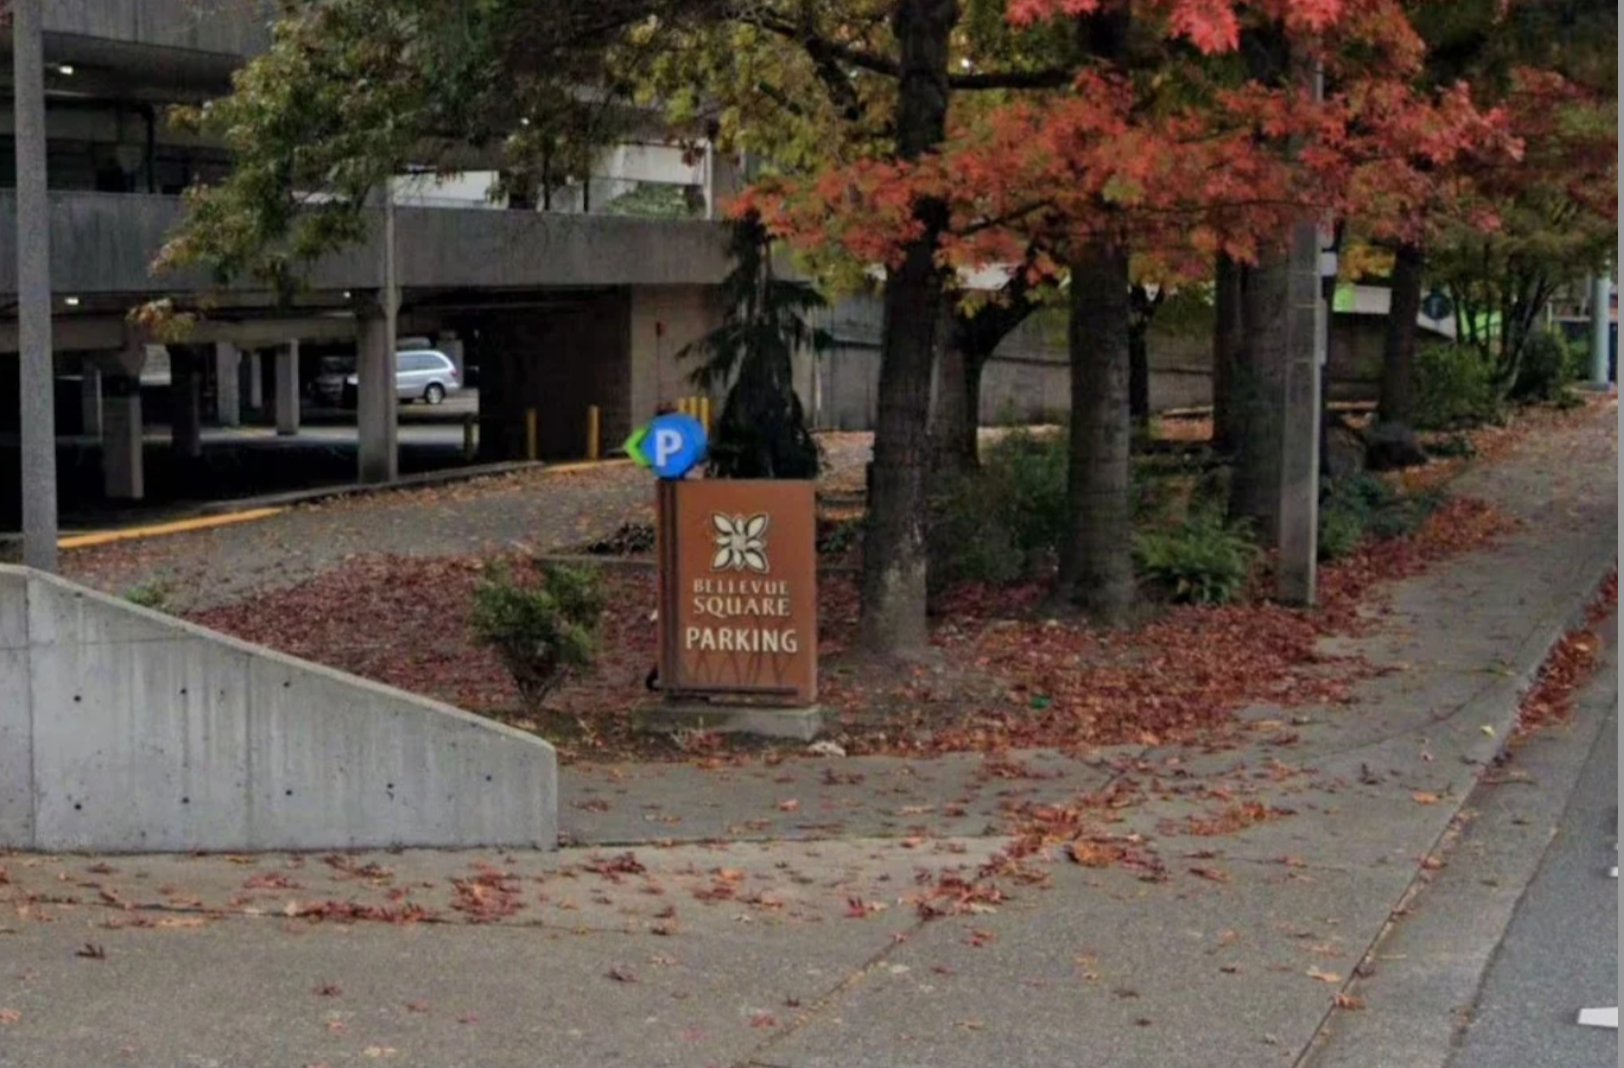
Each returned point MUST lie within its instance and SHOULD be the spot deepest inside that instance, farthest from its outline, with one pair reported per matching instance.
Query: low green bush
(1204, 560)
(1031, 468)
(1454, 388)
(838, 537)
(1004, 521)
(1340, 532)
(1549, 365)
(1368, 506)
(1455, 446)
(153, 595)
(541, 629)
(1403, 517)
(971, 536)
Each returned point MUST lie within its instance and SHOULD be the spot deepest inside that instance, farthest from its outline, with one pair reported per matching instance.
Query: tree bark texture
(1397, 404)
(1143, 314)
(971, 338)
(1257, 394)
(1228, 345)
(1096, 566)
(893, 580)
(953, 423)
(1139, 376)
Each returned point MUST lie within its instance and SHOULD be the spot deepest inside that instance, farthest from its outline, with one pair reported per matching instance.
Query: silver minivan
(422, 374)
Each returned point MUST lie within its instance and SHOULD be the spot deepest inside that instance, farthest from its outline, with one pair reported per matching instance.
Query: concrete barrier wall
(123, 729)
(107, 242)
(234, 28)
(1029, 378)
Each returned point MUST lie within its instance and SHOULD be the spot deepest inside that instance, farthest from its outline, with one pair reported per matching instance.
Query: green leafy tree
(1503, 231)
(762, 430)
(352, 92)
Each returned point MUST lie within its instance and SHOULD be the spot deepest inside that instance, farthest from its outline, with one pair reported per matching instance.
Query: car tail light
(453, 374)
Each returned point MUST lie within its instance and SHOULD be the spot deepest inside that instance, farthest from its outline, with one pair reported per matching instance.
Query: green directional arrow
(634, 446)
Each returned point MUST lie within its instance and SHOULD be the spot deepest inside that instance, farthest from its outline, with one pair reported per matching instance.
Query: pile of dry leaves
(1568, 666)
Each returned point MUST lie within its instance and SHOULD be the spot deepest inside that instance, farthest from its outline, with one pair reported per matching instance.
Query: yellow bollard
(704, 414)
(531, 447)
(685, 405)
(592, 432)
(469, 446)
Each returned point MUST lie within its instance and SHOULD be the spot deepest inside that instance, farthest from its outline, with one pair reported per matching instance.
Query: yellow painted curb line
(105, 537)
(582, 465)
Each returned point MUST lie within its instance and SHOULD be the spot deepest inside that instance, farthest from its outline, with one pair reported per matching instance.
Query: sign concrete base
(763, 721)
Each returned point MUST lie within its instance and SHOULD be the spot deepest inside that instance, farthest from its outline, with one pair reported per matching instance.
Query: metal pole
(36, 376)
(1601, 323)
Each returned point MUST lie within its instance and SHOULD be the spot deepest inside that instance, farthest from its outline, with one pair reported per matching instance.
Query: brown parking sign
(738, 590)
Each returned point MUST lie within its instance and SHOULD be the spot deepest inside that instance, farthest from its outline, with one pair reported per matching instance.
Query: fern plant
(1203, 560)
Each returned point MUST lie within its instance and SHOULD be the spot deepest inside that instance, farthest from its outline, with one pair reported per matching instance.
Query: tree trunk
(893, 581)
(1257, 394)
(952, 423)
(971, 340)
(1139, 372)
(1096, 566)
(1228, 353)
(975, 363)
(1397, 403)
(955, 425)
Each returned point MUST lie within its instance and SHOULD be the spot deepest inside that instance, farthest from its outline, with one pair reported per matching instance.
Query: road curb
(1439, 1028)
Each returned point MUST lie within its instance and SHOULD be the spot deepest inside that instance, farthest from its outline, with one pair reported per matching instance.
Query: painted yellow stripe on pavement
(583, 465)
(181, 526)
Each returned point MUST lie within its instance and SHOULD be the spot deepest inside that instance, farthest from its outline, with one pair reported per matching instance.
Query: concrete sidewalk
(838, 913)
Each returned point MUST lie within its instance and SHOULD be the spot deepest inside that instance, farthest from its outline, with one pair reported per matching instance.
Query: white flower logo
(741, 544)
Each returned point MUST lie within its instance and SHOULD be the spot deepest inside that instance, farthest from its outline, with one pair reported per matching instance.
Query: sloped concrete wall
(124, 730)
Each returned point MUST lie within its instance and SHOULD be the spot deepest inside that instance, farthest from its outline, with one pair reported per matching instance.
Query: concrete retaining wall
(1029, 379)
(124, 730)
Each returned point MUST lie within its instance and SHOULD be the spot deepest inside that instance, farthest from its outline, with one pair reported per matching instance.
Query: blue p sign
(672, 445)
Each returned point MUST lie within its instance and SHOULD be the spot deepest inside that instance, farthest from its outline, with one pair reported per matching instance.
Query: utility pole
(1307, 328)
(36, 374)
(1601, 329)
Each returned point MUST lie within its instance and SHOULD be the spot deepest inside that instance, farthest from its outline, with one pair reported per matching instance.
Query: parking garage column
(227, 384)
(186, 401)
(123, 464)
(376, 400)
(256, 382)
(287, 388)
(90, 399)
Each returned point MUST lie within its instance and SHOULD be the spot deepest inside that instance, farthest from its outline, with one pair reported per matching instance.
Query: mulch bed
(999, 673)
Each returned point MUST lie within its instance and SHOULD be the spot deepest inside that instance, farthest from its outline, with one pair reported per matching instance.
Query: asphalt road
(1559, 954)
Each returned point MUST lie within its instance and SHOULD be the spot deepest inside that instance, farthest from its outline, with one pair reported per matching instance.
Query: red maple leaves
(1180, 157)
